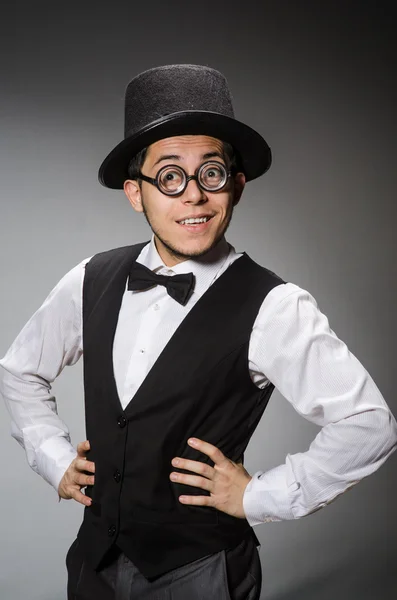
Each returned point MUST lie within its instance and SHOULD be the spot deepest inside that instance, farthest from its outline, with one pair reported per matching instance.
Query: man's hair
(136, 163)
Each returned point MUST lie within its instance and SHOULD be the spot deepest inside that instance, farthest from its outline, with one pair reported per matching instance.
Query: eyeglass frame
(155, 180)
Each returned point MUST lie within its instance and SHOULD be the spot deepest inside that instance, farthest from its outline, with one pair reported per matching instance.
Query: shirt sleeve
(50, 340)
(293, 347)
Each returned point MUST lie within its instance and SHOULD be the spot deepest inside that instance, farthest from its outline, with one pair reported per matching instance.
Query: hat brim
(254, 153)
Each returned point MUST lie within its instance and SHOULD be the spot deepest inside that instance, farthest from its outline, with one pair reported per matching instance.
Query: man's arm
(293, 346)
(49, 341)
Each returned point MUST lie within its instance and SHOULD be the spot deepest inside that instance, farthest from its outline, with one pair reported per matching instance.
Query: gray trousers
(232, 574)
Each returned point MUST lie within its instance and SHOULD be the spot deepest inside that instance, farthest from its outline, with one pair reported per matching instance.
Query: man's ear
(133, 192)
(239, 185)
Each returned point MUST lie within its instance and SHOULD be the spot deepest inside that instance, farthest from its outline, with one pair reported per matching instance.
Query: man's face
(175, 240)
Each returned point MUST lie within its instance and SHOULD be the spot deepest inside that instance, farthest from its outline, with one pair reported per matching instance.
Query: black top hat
(180, 100)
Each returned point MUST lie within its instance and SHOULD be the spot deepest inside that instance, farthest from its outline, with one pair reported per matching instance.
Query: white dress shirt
(291, 346)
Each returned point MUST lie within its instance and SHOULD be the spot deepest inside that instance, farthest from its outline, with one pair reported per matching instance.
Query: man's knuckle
(218, 456)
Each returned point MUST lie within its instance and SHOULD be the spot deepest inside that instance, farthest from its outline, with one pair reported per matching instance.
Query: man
(184, 341)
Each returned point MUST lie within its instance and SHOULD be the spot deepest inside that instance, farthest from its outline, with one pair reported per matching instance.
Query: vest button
(117, 476)
(112, 530)
(121, 422)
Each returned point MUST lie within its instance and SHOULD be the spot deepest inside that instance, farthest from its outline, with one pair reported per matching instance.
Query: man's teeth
(191, 221)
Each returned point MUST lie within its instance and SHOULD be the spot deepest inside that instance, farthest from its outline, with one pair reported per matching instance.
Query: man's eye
(171, 179)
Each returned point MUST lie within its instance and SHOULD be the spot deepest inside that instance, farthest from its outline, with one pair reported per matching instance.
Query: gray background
(317, 80)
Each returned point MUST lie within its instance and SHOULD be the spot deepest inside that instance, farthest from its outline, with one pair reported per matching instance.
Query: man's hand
(226, 481)
(75, 477)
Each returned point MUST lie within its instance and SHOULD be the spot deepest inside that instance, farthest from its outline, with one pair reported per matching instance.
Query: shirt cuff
(53, 458)
(268, 497)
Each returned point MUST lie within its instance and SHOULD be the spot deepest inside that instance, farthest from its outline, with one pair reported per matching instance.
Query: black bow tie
(178, 287)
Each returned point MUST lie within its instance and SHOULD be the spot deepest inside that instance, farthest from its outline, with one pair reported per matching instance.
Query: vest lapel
(186, 353)
(179, 358)
(103, 312)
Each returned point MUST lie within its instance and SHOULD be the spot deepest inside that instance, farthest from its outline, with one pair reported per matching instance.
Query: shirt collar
(205, 268)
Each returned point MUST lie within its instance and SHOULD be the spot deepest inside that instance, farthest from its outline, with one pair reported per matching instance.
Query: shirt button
(121, 422)
(156, 307)
(117, 476)
(142, 350)
(112, 530)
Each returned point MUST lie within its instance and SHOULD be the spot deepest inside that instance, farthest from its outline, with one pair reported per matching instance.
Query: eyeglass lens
(211, 176)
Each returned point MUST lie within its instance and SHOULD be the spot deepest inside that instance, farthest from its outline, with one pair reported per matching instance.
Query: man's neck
(170, 259)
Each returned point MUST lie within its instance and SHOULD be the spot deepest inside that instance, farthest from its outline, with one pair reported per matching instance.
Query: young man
(184, 341)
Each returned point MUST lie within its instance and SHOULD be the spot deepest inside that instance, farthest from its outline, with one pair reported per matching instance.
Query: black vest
(199, 386)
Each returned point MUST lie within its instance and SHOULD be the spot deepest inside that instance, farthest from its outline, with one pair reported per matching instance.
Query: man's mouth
(195, 220)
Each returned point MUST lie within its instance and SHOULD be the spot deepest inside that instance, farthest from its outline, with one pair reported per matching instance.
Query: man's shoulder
(116, 253)
(110, 265)
(114, 256)
(262, 271)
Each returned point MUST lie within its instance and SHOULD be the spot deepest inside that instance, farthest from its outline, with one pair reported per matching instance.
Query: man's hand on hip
(76, 478)
(226, 481)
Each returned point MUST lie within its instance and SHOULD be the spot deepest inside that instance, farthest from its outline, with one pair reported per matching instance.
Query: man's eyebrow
(167, 157)
(213, 155)
(177, 157)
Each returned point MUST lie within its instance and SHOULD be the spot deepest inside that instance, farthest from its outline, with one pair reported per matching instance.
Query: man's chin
(188, 251)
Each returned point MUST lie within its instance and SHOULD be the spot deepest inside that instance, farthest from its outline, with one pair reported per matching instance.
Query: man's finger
(206, 448)
(83, 480)
(197, 500)
(82, 464)
(193, 465)
(80, 497)
(193, 480)
(83, 447)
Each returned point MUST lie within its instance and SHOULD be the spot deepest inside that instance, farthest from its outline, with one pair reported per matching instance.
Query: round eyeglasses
(172, 180)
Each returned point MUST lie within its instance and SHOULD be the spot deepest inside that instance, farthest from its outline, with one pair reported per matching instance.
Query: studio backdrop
(316, 79)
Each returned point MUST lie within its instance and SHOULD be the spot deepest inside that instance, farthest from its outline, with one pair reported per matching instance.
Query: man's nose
(193, 193)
